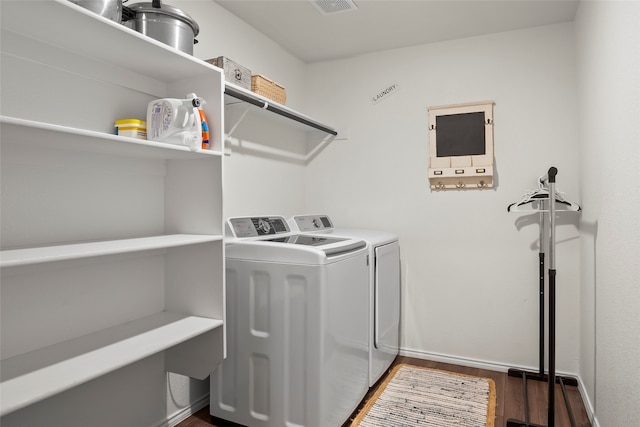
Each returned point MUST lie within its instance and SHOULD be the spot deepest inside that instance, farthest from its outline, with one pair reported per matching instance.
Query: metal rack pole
(552, 295)
(541, 273)
(551, 377)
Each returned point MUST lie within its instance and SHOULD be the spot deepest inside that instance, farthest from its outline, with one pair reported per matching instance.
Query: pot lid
(157, 6)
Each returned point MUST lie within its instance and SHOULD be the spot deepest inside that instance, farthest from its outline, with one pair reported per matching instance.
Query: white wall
(470, 281)
(608, 51)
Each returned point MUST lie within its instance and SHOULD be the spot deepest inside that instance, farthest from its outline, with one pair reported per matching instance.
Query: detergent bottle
(175, 121)
(203, 121)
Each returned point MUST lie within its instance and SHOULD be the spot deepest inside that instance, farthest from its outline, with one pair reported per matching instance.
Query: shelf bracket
(313, 153)
(238, 121)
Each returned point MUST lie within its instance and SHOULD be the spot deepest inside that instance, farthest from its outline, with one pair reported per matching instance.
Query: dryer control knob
(264, 226)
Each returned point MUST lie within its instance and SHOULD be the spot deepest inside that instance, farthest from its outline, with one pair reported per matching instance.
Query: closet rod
(274, 108)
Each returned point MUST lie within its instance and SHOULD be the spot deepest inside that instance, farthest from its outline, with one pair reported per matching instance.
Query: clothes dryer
(384, 287)
(297, 327)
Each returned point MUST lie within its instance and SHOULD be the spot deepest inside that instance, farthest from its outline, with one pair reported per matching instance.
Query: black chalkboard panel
(460, 135)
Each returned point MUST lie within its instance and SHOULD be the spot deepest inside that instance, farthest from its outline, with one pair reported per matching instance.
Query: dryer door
(387, 298)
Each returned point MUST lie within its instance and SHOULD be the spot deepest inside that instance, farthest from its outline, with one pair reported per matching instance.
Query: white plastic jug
(175, 121)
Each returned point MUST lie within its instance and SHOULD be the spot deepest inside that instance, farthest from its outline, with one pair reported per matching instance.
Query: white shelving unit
(37, 255)
(235, 94)
(244, 105)
(112, 248)
(44, 372)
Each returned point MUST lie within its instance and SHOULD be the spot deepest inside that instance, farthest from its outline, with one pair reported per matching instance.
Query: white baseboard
(462, 361)
(588, 405)
(500, 367)
(472, 363)
(186, 412)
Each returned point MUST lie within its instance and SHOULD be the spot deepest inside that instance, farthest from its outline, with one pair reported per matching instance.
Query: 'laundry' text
(385, 93)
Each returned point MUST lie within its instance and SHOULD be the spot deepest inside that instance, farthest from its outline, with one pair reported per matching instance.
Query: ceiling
(375, 25)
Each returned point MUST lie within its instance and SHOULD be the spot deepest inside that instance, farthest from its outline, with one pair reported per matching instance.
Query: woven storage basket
(268, 88)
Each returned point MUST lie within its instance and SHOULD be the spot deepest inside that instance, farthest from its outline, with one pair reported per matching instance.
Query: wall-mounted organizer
(461, 146)
(112, 247)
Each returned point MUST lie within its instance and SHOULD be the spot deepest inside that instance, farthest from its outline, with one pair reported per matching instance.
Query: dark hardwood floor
(510, 403)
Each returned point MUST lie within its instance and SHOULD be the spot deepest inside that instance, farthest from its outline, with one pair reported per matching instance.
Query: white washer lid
(281, 251)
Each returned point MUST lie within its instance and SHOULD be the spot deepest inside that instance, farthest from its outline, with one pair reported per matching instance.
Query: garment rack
(552, 197)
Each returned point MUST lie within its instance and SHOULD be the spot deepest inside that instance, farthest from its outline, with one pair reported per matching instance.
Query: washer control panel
(258, 226)
(313, 222)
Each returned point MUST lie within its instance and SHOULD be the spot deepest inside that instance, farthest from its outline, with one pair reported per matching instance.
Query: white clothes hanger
(539, 195)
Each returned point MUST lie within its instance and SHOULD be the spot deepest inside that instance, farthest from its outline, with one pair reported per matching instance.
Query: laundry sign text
(385, 93)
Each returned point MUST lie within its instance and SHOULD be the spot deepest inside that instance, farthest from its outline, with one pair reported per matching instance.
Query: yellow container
(132, 128)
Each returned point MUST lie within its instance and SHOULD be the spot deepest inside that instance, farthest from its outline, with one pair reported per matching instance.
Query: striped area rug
(416, 396)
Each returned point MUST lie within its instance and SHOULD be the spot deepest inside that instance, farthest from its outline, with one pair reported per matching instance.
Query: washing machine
(384, 287)
(297, 327)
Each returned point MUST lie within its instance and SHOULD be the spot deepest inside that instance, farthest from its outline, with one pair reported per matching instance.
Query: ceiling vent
(329, 7)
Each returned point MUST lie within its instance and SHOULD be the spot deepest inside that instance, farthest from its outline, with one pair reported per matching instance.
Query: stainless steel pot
(164, 23)
(110, 9)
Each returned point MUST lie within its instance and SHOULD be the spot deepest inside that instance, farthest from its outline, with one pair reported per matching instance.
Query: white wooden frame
(461, 172)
